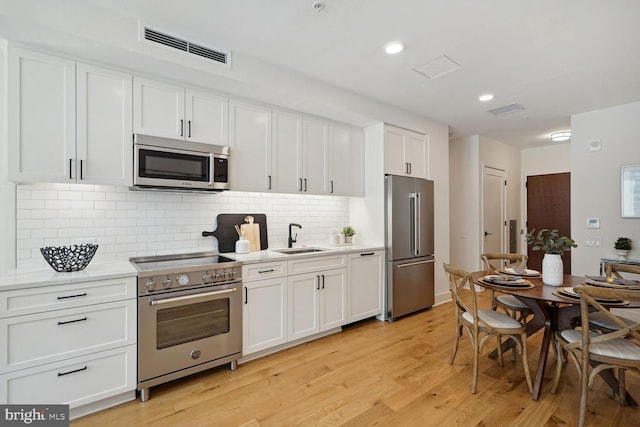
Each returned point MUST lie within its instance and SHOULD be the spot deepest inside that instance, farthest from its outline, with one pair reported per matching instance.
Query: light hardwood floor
(374, 373)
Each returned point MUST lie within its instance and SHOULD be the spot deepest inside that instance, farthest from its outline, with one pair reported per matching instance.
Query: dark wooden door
(549, 206)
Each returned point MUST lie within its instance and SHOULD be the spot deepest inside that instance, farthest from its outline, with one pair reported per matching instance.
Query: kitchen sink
(294, 251)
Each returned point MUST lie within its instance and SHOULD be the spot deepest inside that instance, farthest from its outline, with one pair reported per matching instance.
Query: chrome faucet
(292, 240)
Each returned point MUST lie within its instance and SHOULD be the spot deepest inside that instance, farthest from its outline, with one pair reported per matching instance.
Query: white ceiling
(555, 58)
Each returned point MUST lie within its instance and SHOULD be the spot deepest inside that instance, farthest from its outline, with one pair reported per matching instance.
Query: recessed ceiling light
(486, 97)
(561, 136)
(393, 47)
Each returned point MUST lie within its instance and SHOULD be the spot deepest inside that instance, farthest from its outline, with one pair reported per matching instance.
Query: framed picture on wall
(630, 192)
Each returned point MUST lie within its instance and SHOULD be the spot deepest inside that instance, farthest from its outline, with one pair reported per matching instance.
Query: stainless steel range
(189, 316)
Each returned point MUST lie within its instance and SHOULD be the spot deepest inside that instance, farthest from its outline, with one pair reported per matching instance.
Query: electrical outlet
(592, 241)
(88, 241)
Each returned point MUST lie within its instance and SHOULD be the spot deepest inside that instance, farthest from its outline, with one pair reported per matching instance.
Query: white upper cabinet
(68, 126)
(315, 140)
(207, 118)
(250, 141)
(286, 153)
(104, 126)
(158, 108)
(171, 111)
(41, 117)
(346, 152)
(406, 152)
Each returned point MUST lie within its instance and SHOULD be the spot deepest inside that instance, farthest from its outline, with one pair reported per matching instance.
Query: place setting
(610, 282)
(570, 293)
(506, 281)
(520, 272)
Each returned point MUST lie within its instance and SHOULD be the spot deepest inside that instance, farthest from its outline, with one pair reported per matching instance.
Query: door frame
(503, 210)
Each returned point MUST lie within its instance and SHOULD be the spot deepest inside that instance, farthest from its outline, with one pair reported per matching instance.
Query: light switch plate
(593, 222)
(592, 241)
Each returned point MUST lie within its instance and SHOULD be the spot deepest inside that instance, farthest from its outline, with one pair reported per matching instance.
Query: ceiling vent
(506, 109)
(437, 67)
(186, 46)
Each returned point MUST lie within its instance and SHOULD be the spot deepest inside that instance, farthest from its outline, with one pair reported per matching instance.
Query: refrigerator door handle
(410, 264)
(414, 200)
(418, 221)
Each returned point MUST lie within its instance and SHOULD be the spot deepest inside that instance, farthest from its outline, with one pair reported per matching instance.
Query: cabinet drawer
(36, 300)
(308, 265)
(47, 337)
(265, 270)
(75, 382)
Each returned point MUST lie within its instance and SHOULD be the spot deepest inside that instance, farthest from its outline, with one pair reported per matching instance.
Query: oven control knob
(215, 276)
(206, 278)
(166, 282)
(183, 279)
(150, 285)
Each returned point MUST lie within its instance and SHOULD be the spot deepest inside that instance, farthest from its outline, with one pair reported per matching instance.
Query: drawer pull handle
(73, 296)
(72, 321)
(265, 271)
(367, 254)
(61, 374)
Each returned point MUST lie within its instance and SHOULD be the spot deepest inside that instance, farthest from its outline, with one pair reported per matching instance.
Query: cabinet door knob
(181, 127)
(189, 127)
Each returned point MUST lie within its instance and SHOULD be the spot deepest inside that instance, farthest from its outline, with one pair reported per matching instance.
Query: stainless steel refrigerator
(409, 245)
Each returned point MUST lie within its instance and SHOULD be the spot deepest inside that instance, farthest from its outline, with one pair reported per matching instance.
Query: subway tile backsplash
(129, 223)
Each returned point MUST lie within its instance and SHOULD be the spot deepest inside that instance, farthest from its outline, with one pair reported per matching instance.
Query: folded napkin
(600, 280)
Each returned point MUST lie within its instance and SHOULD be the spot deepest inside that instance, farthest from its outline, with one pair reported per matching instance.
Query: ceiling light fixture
(393, 47)
(561, 136)
(486, 97)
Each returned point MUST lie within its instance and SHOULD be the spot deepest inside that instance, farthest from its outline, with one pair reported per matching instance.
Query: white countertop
(273, 255)
(29, 279)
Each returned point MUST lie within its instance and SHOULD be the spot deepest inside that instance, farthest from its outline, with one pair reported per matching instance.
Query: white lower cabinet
(287, 301)
(365, 285)
(69, 344)
(316, 301)
(76, 382)
(264, 320)
(264, 308)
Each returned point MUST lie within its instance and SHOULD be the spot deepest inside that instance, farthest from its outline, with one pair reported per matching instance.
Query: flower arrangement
(549, 241)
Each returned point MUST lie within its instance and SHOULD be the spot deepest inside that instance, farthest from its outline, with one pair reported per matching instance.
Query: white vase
(552, 269)
(622, 253)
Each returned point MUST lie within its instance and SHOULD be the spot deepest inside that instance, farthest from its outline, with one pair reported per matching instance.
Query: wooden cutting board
(226, 233)
(251, 231)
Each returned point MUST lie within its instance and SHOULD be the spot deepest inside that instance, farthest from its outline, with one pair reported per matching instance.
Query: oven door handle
(192, 297)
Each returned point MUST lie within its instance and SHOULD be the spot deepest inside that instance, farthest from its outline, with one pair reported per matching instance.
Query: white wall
(595, 181)
(464, 202)
(140, 223)
(7, 189)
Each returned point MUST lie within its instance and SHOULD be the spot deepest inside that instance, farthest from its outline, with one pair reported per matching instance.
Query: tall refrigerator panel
(409, 245)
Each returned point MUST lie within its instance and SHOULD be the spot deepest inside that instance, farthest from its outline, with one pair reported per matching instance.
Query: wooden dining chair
(482, 325)
(599, 321)
(593, 352)
(509, 303)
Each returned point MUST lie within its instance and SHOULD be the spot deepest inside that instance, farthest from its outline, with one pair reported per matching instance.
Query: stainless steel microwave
(163, 163)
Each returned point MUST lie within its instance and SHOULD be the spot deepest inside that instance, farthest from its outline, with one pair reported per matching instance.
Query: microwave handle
(212, 165)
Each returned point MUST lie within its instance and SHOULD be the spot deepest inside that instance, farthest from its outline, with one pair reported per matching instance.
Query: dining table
(551, 312)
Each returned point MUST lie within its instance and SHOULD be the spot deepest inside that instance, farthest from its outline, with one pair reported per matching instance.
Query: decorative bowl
(69, 258)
